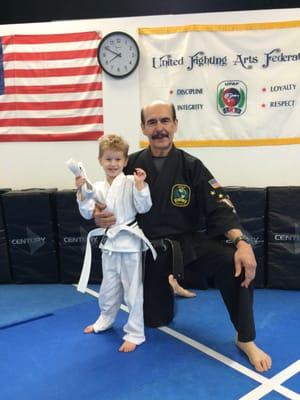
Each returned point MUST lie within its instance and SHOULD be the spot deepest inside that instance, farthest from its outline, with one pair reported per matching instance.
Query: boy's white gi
(121, 252)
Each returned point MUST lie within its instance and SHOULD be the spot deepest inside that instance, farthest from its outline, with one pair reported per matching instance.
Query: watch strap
(239, 238)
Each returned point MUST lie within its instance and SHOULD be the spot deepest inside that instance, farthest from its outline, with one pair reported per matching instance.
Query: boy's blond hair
(113, 142)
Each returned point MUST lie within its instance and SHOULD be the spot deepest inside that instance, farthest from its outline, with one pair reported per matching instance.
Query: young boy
(121, 244)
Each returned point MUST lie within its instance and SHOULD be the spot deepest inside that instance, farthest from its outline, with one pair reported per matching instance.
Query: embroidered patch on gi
(181, 195)
(228, 202)
(214, 183)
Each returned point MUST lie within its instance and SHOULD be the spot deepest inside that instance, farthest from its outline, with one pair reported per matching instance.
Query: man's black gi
(189, 206)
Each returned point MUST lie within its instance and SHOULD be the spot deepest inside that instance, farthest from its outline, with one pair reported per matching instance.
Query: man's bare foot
(89, 329)
(259, 359)
(127, 347)
(179, 290)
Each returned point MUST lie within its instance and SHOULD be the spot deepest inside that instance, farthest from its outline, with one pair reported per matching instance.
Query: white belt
(111, 233)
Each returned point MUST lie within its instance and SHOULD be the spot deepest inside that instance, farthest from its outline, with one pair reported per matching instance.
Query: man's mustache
(159, 135)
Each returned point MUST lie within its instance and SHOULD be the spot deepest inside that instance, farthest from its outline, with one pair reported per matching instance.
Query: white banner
(232, 85)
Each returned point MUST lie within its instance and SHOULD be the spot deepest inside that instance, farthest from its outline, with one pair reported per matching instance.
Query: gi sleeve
(86, 206)
(220, 213)
(142, 199)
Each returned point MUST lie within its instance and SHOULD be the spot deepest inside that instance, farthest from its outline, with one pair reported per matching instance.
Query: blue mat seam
(25, 321)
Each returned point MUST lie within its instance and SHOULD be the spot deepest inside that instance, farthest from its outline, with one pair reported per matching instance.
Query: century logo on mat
(34, 241)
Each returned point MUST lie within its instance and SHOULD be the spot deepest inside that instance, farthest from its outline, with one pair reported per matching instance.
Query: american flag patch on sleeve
(214, 183)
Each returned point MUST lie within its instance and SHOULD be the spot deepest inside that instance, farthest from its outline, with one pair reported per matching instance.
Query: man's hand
(103, 219)
(245, 258)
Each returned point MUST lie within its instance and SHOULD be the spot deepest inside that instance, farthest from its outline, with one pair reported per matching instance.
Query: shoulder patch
(214, 183)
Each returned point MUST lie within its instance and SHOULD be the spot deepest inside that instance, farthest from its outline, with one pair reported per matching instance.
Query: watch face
(118, 54)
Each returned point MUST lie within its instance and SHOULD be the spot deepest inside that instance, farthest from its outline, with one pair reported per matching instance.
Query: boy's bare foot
(89, 329)
(259, 359)
(127, 347)
(179, 290)
(102, 324)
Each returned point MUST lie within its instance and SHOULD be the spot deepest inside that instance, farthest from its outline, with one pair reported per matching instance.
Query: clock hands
(117, 55)
(114, 52)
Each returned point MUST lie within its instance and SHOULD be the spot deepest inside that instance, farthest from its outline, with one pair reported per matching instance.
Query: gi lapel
(114, 192)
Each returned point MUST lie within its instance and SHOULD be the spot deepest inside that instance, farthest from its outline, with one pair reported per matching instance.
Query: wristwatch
(241, 237)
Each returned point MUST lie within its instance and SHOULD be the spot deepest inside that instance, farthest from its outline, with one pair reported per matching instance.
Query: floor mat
(50, 358)
(277, 316)
(20, 303)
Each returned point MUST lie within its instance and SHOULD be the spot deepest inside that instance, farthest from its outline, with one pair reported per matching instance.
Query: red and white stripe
(53, 88)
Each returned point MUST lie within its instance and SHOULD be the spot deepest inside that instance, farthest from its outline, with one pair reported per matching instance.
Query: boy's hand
(139, 178)
(79, 181)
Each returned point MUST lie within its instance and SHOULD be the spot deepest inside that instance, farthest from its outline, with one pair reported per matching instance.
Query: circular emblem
(118, 54)
(231, 97)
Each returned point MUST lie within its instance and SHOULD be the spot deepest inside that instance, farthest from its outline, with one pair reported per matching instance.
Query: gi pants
(122, 280)
(215, 263)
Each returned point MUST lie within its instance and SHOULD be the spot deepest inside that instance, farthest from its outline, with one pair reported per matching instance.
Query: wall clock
(118, 54)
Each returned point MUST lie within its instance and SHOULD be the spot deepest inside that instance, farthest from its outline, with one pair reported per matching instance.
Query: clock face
(118, 54)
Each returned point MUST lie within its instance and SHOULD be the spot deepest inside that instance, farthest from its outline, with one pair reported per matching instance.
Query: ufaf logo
(232, 98)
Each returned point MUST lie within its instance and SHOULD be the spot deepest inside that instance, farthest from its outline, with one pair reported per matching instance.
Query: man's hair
(173, 111)
(113, 142)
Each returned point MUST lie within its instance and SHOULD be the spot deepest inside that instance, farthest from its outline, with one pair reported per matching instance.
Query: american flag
(50, 87)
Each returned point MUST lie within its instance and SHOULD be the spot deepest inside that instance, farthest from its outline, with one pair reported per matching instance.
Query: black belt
(177, 259)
